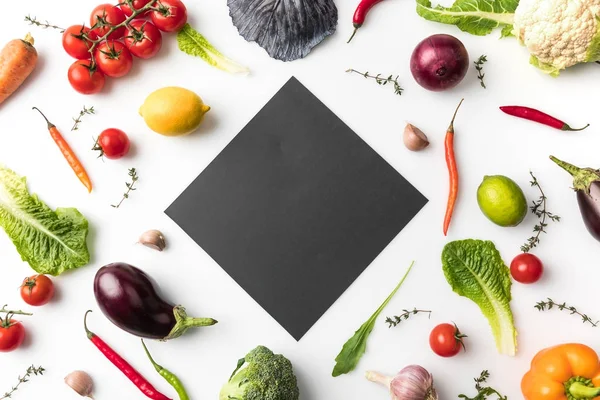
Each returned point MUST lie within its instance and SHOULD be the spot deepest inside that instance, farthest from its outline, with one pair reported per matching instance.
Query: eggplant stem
(183, 323)
(570, 168)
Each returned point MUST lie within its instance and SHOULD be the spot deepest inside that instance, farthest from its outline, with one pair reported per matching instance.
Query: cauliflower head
(559, 33)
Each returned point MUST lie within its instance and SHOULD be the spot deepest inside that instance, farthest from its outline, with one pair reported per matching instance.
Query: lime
(502, 200)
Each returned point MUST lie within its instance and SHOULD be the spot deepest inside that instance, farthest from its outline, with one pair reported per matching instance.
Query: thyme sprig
(406, 314)
(84, 111)
(45, 24)
(548, 305)
(381, 80)
(479, 67)
(539, 209)
(483, 392)
(134, 178)
(25, 378)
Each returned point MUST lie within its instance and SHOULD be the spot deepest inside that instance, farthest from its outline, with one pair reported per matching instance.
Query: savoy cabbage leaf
(475, 270)
(50, 241)
(477, 17)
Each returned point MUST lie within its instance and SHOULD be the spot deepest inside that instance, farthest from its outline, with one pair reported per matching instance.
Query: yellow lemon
(173, 111)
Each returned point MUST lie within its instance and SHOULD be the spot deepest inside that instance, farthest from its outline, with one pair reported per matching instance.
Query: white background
(487, 142)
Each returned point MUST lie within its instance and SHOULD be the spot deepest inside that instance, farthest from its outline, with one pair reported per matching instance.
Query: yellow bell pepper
(564, 372)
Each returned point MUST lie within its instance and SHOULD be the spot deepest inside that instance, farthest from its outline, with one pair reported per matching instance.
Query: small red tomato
(37, 290)
(84, 78)
(143, 39)
(137, 4)
(171, 15)
(526, 268)
(446, 340)
(104, 17)
(74, 42)
(12, 334)
(112, 143)
(113, 58)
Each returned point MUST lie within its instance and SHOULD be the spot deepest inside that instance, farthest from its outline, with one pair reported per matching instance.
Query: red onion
(439, 62)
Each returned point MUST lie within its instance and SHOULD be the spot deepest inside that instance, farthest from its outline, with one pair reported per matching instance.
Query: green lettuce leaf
(193, 43)
(50, 241)
(478, 17)
(475, 270)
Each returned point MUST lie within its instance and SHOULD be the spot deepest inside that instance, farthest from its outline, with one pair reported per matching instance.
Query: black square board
(296, 207)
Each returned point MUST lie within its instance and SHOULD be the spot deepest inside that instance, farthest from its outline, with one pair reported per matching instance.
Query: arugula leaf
(355, 347)
(193, 43)
(50, 241)
(478, 17)
(475, 270)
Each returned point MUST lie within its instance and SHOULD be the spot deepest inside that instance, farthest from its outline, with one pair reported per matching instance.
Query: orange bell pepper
(564, 372)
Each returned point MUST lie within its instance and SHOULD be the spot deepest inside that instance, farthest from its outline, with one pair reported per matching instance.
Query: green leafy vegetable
(355, 347)
(50, 241)
(193, 43)
(478, 17)
(474, 269)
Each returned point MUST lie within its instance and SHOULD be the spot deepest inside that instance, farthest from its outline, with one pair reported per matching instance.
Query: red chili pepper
(361, 13)
(538, 116)
(452, 170)
(119, 362)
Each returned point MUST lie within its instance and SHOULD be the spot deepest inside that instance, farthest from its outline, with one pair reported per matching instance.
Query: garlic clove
(414, 138)
(81, 383)
(153, 239)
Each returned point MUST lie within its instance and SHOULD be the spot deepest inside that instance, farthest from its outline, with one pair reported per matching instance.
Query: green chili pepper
(170, 377)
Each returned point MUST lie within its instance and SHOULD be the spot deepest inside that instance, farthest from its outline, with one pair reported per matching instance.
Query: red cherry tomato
(84, 78)
(75, 44)
(12, 335)
(137, 4)
(171, 15)
(112, 143)
(37, 290)
(526, 268)
(446, 340)
(104, 17)
(143, 39)
(114, 59)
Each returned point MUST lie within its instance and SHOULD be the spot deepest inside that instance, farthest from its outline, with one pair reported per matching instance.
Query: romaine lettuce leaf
(475, 270)
(50, 241)
(478, 17)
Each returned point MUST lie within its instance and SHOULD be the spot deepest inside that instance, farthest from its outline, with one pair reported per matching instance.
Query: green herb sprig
(382, 80)
(25, 378)
(13, 312)
(45, 25)
(406, 314)
(84, 111)
(479, 67)
(548, 305)
(483, 392)
(134, 178)
(539, 209)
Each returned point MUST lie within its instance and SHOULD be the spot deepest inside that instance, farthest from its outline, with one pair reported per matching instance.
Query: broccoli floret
(261, 375)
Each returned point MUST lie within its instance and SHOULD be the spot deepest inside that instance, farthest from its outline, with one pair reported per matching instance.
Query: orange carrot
(17, 60)
(68, 153)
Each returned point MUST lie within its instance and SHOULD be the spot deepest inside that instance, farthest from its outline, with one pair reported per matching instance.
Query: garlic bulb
(411, 383)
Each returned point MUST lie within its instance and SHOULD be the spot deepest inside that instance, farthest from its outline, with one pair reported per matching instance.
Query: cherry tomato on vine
(104, 17)
(12, 334)
(137, 4)
(112, 143)
(113, 58)
(143, 39)
(171, 15)
(446, 340)
(526, 268)
(74, 42)
(84, 78)
(37, 290)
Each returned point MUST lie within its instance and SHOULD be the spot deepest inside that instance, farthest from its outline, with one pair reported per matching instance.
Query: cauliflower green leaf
(593, 50)
(475, 270)
(477, 17)
(50, 241)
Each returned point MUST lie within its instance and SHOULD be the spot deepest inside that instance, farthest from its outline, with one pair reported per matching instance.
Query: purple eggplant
(586, 182)
(129, 299)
